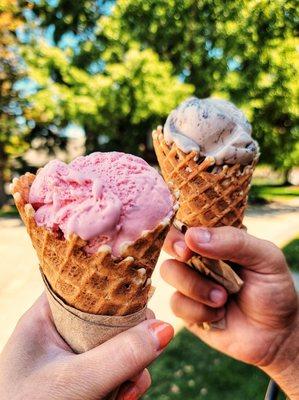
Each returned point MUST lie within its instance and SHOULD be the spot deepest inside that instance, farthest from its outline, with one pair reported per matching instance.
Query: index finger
(175, 245)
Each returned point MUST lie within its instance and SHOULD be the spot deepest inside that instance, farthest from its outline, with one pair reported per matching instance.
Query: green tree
(67, 16)
(11, 106)
(117, 108)
(241, 50)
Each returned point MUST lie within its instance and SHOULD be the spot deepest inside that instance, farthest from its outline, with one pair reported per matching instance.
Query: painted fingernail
(163, 333)
(202, 235)
(130, 393)
(217, 296)
(180, 248)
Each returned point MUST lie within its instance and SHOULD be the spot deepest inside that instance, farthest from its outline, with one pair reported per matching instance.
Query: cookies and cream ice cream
(211, 127)
(104, 198)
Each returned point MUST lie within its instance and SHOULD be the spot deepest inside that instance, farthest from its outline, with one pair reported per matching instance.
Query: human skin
(37, 364)
(262, 320)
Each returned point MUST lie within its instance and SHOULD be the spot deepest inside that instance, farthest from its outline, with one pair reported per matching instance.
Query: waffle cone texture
(98, 283)
(209, 195)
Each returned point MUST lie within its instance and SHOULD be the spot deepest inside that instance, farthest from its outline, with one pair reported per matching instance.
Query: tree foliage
(67, 16)
(11, 134)
(242, 50)
(117, 68)
(116, 108)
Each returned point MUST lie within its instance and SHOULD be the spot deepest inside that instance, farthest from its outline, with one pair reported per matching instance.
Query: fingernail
(180, 248)
(202, 235)
(163, 333)
(216, 296)
(130, 393)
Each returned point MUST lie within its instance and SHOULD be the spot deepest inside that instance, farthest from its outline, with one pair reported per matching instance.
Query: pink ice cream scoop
(104, 198)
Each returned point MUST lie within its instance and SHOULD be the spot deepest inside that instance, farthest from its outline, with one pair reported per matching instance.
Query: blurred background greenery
(80, 76)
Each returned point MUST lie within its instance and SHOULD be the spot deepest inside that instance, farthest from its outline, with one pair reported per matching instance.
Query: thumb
(107, 366)
(232, 244)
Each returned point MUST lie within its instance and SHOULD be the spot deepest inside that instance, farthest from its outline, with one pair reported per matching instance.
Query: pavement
(20, 282)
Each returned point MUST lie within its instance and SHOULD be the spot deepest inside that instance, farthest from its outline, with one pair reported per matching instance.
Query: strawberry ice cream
(104, 198)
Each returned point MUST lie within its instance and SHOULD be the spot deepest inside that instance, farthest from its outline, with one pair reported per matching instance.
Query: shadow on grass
(261, 194)
(8, 211)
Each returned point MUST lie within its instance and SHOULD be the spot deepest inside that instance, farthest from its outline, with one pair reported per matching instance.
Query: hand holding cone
(209, 195)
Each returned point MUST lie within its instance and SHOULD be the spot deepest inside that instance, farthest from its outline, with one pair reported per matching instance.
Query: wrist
(284, 368)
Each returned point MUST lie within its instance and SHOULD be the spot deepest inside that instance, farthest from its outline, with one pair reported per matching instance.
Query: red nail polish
(163, 333)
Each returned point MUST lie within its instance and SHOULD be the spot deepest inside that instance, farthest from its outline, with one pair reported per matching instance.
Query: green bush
(291, 252)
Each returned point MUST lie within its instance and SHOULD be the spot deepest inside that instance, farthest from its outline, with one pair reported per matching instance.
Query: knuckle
(137, 349)
(205, 314)
(133, 351)
(165, 267)
(201, 315)
(162, 270)
(166, 264)
(194, 288)
(239, 244)
(175, 302)
(239, 240)
(274, 255)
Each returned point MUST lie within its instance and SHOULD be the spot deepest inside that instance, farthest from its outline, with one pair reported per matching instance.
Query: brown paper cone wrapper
(83, 331)
(209, 196)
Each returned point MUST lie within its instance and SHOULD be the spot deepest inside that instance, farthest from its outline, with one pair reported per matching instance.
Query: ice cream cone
(209, 195)
(96, 292)
(98, 283)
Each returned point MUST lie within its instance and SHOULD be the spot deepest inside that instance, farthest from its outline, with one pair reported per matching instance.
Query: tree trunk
(285, 179)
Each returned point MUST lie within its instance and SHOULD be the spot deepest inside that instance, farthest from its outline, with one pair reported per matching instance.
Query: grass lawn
(190, 370)
(272, 193)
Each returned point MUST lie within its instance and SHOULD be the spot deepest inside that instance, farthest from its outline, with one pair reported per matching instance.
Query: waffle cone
(209, 196)
(98, 283)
